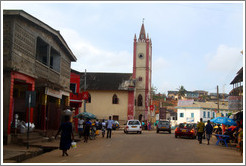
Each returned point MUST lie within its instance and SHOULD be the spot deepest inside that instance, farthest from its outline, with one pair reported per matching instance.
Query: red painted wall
(130, 113)
(75, 78)
(147, 79)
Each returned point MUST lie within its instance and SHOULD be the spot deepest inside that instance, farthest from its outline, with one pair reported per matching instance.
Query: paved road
(148, 147)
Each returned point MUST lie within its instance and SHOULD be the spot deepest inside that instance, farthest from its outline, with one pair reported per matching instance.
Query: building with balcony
(35, 58)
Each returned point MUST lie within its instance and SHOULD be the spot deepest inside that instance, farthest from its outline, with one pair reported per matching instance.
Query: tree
(155, 95)
(181, 91)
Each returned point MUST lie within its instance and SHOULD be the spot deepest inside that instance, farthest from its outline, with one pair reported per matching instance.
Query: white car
(133, 126)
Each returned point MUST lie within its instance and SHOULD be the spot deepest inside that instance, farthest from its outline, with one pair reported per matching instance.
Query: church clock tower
(142, 70)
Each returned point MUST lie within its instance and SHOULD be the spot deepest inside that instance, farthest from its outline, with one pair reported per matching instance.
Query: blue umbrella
(224, 120)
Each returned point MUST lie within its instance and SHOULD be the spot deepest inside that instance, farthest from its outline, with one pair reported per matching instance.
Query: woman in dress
(66, 130)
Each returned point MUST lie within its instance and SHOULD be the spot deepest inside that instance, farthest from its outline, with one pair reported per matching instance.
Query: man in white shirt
(80, 126)
(109, 127)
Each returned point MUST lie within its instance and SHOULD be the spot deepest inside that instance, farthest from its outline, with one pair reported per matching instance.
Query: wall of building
(101, 105)
(23, 51)
(198, 113)
(20, 45)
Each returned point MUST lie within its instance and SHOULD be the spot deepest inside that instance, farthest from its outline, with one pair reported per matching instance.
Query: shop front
(19, 85)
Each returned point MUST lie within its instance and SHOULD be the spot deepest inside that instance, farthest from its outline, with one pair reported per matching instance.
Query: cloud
(225, 59)
(95, 59)
(158, 64)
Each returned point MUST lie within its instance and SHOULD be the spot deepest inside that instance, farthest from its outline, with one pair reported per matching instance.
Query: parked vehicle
(186, 130)
(163, 126)
(133, 126)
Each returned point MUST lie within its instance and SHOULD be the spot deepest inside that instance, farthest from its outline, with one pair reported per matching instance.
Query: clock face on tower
(140, 56)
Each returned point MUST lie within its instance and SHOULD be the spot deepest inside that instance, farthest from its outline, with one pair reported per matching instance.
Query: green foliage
(181, 91)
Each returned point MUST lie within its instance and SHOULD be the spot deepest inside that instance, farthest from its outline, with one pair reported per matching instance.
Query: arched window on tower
(140, 100)
(115, 99)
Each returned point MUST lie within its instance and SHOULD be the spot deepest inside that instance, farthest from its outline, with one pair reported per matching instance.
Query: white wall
(198, 113)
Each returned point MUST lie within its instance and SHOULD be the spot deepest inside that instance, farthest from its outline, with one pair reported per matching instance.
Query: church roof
(103, 81)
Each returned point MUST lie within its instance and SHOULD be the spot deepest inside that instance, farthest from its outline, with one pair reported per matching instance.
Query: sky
(196, 45)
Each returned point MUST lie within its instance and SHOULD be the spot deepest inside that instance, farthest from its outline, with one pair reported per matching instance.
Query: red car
(186, 130)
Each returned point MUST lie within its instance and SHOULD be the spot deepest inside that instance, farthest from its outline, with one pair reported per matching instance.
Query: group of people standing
(84, 129)
(146, 125)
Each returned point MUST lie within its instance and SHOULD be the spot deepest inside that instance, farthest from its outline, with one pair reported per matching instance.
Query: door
(116, 117)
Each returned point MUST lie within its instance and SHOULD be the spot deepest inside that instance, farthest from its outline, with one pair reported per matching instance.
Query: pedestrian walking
(67, 136)
(109, 127)
(87, 126)
(149, 125)
(209, 131)
(80, 126)
(103, 127)
(200, 130)
(97, 127)
(143, 124)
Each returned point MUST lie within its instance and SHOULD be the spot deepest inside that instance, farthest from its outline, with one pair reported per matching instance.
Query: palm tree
(181, 91)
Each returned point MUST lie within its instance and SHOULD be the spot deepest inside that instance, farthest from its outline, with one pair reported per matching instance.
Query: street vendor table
(222, 138)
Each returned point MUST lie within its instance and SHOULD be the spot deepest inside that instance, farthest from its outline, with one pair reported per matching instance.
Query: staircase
(34, 137)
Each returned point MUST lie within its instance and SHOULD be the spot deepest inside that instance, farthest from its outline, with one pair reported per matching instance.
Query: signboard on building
(157, 117)
(32, 95)
(85, 95)
(189, 119)
(53, 93)
(235, 103)
(151, 107)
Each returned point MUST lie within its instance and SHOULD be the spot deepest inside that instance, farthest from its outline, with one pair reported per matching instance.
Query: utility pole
(84, 91)
(218, 99)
